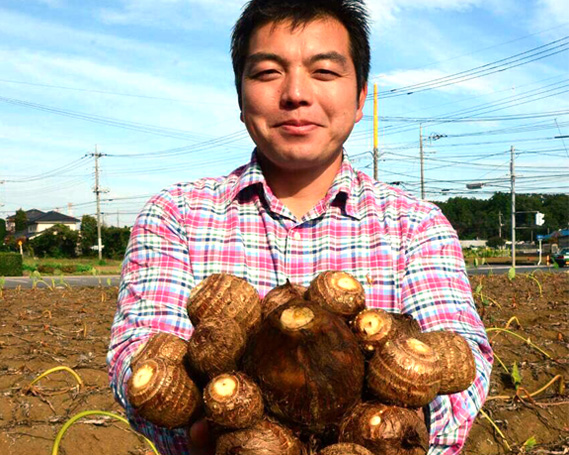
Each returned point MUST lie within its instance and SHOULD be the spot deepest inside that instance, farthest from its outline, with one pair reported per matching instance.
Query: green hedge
(10, 264)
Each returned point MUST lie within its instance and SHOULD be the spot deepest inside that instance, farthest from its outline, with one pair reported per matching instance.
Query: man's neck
(300, 190)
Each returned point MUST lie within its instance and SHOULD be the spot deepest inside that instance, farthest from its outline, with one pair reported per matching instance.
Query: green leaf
(516, 376)
(476, 262)
(478, 289)
(511, 273)
(530, 443)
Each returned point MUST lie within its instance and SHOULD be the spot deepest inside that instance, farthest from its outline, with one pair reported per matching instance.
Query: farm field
(42, 329)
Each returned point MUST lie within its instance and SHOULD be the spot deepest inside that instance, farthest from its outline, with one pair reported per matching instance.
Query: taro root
(161, 345)
(226, 295)
(456, 359)
(345, 448)
(233, 401)
(407, 326)
(281, 294)
(373, 327)
(307, 363)
(266, 437)
(404, 372)
(385, 430)
(338, 292)
(164, 394)
(216, 346)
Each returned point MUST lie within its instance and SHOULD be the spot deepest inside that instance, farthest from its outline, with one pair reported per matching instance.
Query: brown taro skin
(216, 346)
(281, 294)
(404, 372)
(385, 430)
(233, 401)
(169, 398)
(223, 294)
(406, 325)
(456, 359)
(309, 375)
(345, 448)
(338, 292)
(266, 437)
(161, 345)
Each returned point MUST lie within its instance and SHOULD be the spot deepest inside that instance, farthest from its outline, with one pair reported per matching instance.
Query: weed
(531, 276)
(2, 283)
(511, 273)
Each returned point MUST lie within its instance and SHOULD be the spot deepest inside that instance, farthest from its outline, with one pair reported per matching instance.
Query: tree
(495, 242)
(21, 220)
(88, 234)
(2, 231)
(115, 240)
(58, 241)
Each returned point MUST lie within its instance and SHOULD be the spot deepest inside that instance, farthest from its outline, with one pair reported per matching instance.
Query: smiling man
(296, 209)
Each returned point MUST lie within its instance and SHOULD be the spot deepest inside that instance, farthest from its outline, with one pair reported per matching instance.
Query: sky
(149, 85)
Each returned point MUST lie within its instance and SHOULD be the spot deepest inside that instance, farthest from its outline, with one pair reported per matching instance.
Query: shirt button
(296, 235)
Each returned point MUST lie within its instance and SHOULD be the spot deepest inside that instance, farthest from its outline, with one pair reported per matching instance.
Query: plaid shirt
(403, 251)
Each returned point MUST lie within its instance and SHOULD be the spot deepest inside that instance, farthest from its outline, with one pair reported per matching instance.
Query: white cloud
(551, 12)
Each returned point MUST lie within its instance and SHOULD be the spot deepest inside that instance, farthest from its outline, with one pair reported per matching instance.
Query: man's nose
(296, 91)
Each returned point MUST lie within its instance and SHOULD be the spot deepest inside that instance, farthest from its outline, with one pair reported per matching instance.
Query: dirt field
(42, 329)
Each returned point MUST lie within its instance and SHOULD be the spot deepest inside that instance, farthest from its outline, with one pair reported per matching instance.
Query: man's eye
(325, 74)
(265, 74)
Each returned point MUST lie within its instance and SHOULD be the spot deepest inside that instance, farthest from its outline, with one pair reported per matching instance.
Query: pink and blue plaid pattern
(402, 250)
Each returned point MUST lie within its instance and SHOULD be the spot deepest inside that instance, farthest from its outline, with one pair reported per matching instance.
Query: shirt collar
(342, 190)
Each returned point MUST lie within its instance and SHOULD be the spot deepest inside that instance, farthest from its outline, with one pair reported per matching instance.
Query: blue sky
(135, 78)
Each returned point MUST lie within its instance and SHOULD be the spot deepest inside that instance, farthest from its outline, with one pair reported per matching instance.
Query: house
(39, 221)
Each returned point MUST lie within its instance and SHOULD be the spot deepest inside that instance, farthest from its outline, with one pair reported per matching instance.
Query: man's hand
(201, 442)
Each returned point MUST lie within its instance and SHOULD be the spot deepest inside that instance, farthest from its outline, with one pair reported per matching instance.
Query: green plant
(11, 264)
(2, 282)
(511, 273)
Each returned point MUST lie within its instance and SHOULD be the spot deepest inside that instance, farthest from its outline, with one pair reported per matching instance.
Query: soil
(45, 328)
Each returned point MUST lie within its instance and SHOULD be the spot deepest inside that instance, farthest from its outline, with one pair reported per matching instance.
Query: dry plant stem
(487, 417)
(532, 394)
(60, 368)
(512, 319)
(527, 340)
(76, 417)
(538, 284)
(502, 363)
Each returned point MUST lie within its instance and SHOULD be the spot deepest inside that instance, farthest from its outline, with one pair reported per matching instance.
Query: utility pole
(513, 190)
(375, 133)
(500, 224)
(422, 161)
(98, 192)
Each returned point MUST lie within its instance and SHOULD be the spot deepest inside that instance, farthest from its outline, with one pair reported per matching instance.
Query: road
(113, 280)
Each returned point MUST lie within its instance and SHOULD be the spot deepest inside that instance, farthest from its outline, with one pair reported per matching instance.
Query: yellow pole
(375, 133)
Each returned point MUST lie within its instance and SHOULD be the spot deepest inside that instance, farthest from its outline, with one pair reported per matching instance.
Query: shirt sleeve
(155, 284)
(436, 292)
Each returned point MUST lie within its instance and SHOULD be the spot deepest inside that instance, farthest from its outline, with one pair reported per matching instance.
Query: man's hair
(352, 14)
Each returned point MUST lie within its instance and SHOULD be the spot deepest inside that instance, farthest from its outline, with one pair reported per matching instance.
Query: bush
(11, 264)
(57, 242)
(495, 242)
(46, 269)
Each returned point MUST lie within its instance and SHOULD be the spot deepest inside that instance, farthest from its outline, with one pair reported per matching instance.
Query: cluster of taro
(302, 371)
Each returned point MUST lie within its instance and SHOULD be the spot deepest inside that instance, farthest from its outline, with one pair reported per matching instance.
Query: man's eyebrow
(263, 56)
(332, 55)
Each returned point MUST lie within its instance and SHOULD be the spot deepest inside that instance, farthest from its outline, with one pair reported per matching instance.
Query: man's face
(299, 90)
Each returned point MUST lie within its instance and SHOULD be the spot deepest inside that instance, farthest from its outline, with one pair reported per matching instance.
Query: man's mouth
(297, 127)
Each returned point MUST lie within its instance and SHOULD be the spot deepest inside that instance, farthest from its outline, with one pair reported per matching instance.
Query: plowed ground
(42, 328)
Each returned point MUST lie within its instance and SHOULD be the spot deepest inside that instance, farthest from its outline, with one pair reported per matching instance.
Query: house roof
(55, 217)
(31, 215)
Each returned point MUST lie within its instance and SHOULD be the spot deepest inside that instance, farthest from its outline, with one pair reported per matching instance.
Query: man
(297, 209)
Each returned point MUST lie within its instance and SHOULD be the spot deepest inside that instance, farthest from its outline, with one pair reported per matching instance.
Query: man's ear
(361, 101)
